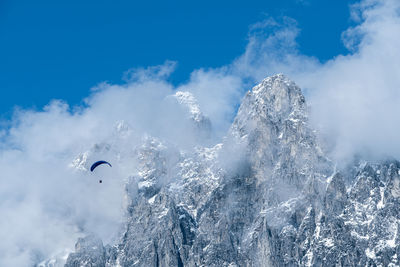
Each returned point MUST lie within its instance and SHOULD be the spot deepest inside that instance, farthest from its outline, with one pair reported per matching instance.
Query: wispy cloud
(354, 98)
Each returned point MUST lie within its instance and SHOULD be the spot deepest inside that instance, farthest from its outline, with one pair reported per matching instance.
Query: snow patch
(396, 188)
(355, 234)
(392, 242)
(370, 254)
(380, 204)
(80, 161)
(143, 184)
(163, 213)
(309, 256)
(189, 101)
(328, 242)
(151, 200)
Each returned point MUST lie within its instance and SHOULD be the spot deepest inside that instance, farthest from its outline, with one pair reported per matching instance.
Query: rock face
(89, 251)
(266, 196)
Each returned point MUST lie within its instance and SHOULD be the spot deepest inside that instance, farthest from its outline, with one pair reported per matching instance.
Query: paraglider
(96, 164)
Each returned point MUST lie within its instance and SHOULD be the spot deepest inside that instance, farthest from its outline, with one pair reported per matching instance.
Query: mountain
(266, 196)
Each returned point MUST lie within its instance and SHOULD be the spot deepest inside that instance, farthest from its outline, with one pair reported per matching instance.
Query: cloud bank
(354, 99)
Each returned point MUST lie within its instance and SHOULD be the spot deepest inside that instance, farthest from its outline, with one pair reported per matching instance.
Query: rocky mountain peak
(200, 123)
(281, 203)
(272, 102)
(281, 96)
(187, 100)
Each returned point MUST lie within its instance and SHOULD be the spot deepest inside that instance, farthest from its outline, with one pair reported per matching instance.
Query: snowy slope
(266, 196)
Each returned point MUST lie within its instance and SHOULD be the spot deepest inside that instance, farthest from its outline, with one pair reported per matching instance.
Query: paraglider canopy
(97, 163)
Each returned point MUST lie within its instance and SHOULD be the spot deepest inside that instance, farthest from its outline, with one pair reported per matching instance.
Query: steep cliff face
(265, 196)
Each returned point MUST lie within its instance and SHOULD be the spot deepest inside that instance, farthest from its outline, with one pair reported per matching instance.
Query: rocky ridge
(266, 196)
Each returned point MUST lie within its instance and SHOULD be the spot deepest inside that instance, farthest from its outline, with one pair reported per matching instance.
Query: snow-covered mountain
(266, 196)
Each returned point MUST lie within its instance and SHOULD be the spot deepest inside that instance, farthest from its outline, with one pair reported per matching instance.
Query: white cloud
(46, 203)
(218, 92)
(354, 98)
(355, 102)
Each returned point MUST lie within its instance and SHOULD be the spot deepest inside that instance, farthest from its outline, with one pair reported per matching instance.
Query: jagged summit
(273, 101)
(201, 124)
(266, 196)
(281, 96)
(189, 101)
(272, 122)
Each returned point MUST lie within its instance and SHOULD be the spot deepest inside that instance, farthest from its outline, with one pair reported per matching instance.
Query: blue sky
(60, 49)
